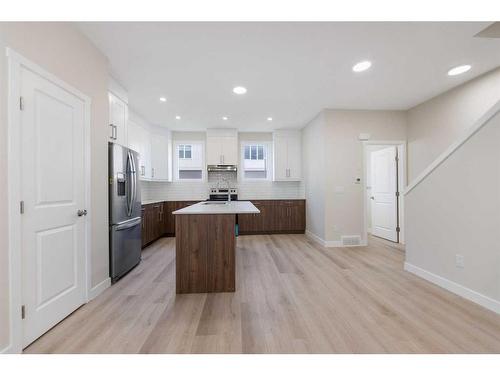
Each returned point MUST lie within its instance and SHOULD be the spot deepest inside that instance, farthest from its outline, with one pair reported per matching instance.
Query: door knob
(82, 212)
(372, 198)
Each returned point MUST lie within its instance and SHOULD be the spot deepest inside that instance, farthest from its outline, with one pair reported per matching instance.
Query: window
(189, 165)
(185, 151)
(256, 161)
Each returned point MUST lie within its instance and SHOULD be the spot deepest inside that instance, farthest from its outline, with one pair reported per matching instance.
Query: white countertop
(213, 208)
(151, 201)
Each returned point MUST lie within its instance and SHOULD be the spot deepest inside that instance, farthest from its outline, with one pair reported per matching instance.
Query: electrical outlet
(459, 261)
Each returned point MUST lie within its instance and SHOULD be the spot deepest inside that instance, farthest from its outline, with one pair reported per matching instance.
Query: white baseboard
(462, 291)
(333, 244)
(99, 288)
(6, 350)
(315, 238)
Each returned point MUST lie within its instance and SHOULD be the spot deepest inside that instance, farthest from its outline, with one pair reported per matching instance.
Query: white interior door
(53, 190)
(384, 207)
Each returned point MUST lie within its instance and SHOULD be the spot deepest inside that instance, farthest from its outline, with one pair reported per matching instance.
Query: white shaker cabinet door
(118, 116)
(294, 156)
(159, 157)
(214, 151)
(229, 150)
(280, 153)
(140, 141)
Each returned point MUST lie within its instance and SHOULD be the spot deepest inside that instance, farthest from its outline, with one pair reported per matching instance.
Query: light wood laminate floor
(293, 296)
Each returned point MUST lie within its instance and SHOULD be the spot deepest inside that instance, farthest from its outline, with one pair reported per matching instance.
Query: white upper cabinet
(140, 141)
(161, 157)
(118, 117)
(287, 155)
(222, 147)
(154, 148)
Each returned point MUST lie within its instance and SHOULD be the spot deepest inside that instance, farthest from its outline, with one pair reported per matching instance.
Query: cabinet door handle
(152, 172)
(114, 132)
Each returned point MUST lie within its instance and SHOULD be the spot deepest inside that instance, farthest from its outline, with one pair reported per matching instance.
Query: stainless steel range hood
(222, 168)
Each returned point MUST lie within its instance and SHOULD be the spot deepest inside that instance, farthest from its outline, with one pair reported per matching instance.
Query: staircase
(452, 216)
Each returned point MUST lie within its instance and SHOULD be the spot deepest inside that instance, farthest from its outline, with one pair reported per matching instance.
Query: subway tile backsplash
(178, 191)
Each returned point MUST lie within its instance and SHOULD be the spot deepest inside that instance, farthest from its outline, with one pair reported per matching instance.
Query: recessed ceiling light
(224, 118)
(163, 99)
(361, 66)
(269, 119)
(240, 90)
(458, 70)
(177, 117)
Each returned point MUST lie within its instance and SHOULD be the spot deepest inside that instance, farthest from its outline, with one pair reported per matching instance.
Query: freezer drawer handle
(128, 225)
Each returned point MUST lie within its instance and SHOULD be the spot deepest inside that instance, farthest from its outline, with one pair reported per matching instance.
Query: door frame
(402, 182)
(14, 64)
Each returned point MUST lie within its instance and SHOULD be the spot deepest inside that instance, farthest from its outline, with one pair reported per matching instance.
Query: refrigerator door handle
(129, 183)
(134, 179)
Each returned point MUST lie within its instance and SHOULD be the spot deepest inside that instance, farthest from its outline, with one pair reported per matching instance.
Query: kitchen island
(205, 244)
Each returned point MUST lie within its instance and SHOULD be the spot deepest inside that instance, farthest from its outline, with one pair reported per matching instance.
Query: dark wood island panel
(205, 253)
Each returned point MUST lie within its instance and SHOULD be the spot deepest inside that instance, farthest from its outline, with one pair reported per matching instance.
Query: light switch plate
(459, 261)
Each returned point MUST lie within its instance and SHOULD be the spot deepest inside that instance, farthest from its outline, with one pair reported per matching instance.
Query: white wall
(333, 160)
(344, 158)
(313, 167)
(437, 123)
(456, 210)
(63, 51)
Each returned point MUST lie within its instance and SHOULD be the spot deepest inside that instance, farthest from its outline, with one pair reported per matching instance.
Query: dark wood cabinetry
(158, 221)
(169, 220)
(205, 253)
(276, 216)
(151, 222)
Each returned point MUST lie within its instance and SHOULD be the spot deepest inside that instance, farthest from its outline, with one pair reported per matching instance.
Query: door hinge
(398, 229)
(397, 193)
(23, 312)
(21, 103)
(21, 207)
(397, 158)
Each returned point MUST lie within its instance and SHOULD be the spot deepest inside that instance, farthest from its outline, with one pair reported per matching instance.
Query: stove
(220, 194)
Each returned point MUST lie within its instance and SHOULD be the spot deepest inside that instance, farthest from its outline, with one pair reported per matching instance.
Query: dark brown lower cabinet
(276, 216)
(205, 253)
(151, 222)
(158, 221)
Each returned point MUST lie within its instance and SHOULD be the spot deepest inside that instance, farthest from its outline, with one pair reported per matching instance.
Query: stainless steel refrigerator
(124, 211)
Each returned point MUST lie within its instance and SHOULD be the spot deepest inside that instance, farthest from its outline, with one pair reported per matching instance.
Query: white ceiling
(291, 70)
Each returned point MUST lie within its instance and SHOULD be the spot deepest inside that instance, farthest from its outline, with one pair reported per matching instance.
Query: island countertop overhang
(219, 208)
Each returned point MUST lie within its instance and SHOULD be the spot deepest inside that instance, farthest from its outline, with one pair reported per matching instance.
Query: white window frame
(184, 150)
(268, 157)
(175, 161)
